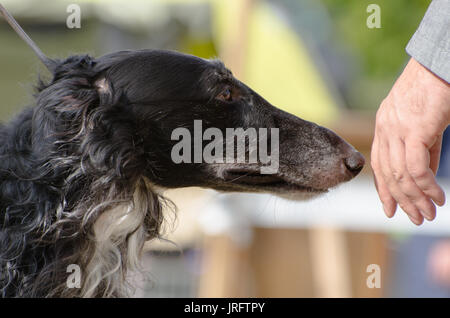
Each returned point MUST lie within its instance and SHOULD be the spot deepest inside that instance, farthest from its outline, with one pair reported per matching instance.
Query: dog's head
(187, 112)
(137, 105)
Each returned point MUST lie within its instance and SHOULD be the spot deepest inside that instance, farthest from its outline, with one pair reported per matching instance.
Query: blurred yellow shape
(277, 64)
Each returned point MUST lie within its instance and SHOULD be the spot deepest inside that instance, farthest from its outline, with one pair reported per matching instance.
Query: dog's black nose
(354, 163)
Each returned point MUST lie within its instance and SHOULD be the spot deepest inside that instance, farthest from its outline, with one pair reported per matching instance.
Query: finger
(435, 154)
(418, 166)
(403, 201)
(389, 204)
(405, 182)
(407, 206)
(417, 221)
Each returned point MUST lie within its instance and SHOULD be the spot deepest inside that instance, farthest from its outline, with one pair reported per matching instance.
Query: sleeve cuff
(430, 45)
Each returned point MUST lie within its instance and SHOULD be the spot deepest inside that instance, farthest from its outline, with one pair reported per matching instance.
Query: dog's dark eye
(225, 95)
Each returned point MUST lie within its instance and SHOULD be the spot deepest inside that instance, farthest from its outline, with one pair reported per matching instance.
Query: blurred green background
(380, 53)
(361, 63)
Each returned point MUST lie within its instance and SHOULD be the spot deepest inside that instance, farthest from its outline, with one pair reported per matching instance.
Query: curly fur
(70, 191)
(77, 170)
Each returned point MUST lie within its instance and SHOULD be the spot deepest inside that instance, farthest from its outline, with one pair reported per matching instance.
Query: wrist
(437, 88)
(429, 77)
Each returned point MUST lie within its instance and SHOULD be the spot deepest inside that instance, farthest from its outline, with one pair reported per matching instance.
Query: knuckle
(398, 176)
(403, 207)
(406, 205)
(374, 164)
(418, 173)
(380, 116)
(412, 197)
(417, 199)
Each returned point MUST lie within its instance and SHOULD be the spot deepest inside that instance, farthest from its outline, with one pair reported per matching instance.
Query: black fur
(101, 129)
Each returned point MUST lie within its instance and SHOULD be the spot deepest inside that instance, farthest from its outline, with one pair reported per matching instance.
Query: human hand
(407, 143)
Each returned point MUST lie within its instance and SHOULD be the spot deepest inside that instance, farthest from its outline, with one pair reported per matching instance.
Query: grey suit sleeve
(430, 44)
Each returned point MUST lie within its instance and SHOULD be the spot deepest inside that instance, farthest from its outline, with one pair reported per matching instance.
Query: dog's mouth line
(252, 178)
